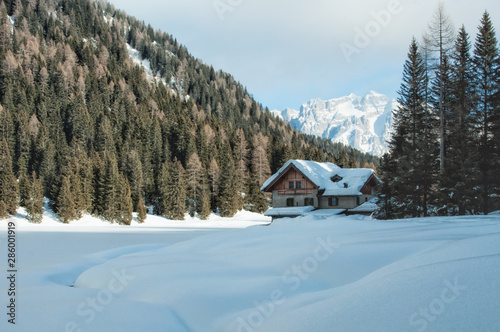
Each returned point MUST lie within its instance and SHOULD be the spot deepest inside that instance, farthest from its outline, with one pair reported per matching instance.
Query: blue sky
(288, 52)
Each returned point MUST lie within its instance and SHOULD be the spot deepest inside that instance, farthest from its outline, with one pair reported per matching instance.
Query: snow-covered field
(314, 273)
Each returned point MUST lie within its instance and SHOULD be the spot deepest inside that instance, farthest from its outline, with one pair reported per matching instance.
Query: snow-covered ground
(313, 273)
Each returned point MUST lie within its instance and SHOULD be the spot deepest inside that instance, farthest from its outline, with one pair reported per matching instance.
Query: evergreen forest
(445, 151)
(84, 126)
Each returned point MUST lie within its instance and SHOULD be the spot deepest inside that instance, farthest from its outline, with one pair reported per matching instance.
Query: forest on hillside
(85, 127)
(445, 151)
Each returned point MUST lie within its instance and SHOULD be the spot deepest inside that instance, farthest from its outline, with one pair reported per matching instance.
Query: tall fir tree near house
(486, 73)
(458, 180)
(414, 145)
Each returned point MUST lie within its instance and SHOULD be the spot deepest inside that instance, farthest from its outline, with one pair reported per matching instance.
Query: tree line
(84, 127)
(445, 152)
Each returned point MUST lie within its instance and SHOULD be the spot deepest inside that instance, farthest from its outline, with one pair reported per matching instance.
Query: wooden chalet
(309, 185)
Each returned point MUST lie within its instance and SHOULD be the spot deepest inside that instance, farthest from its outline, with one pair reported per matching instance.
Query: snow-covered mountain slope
(364, 123)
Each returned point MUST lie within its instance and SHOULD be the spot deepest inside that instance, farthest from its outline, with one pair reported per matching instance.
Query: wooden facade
(369, 187)
(293, 183)
(293, 188)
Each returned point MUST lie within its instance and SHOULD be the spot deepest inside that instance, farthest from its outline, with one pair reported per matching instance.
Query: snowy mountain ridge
(364, 123)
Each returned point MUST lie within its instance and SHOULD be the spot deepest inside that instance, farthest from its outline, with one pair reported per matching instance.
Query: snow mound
(339, 273)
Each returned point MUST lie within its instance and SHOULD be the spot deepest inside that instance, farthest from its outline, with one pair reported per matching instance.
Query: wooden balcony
(287, 192)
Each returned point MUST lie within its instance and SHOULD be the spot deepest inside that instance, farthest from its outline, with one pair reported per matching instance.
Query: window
(358, 200)
(299, 184)
(291, 184)
(336, 178)
(289, 202)
(333, 201)
(308, 201)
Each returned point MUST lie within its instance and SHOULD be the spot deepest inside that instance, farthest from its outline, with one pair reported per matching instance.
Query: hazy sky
(288, 52)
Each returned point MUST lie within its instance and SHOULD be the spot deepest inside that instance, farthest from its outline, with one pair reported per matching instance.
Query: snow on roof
(367, 207)
(288, 211)
(321, 174)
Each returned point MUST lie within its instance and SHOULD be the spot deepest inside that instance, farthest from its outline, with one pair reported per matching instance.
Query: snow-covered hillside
(364, 123)
(314, 273)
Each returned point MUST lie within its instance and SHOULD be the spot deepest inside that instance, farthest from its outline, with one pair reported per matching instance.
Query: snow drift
(314, 273)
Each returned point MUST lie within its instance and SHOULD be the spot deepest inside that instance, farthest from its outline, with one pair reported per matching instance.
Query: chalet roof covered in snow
(334, 180)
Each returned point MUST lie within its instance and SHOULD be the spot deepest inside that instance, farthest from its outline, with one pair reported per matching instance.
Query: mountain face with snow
(365, 123)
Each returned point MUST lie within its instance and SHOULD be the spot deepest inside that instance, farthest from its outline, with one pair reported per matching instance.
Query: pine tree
(459, 178)
(486, 64)
(214, 180)
(110, 189)
(8, 182)
(34, 207)
(256, 198)
(260, 161)
(440, 39)
(3, 210)
(342, 159)
(228, 191)
(141, 210)
(161, 204)
(176, 188)
(388, 205)
(133, 170)
(65, 202)
(413, 147)
(7, 128)
(124, 206)
(24, 189)
(352, 160)
(204, 206)
(194, 175)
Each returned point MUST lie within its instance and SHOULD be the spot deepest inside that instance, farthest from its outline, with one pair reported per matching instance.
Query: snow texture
(364, 123)
(312, 273)
(288, 211)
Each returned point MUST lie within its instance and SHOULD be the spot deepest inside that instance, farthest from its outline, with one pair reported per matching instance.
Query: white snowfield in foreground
(314, 273)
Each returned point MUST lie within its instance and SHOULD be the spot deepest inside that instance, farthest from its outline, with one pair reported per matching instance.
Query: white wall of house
(344, 202)
(280, 201)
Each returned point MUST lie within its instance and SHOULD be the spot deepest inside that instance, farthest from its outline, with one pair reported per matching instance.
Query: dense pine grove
(83, 126)
(445, 152)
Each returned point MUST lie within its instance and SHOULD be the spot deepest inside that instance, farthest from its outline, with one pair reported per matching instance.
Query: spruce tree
(256, 198)
(176, 187)
(8, 182)
(141, 211)
(204, 206)
(352, 160)
(458, 181)
(110, 189)
(414, 145)
(161, 204)
(342, 159)
(214, 181)
(133, 170)
(66, 202)
(24, 189)
(228, 190)
(439, 39)
(34, 207)
(194, 175)
(124, 207)
(3, 210)
(486, 73)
